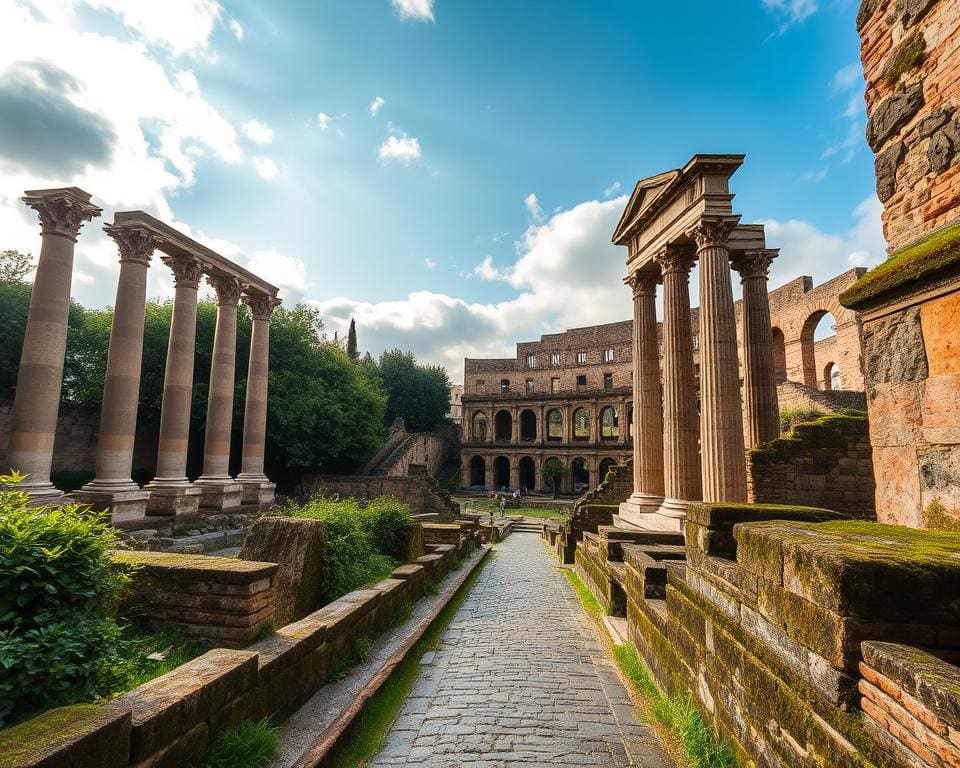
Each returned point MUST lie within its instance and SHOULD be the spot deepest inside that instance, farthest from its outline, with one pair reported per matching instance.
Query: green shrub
(389, 523)
(791, 416)
(57, 588)
(351, 559)
(249, 745)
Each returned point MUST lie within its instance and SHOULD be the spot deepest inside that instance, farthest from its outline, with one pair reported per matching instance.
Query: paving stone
(520, 679)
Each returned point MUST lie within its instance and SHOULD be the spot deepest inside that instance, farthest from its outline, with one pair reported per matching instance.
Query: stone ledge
(81, 736)
(931, 681)
(195, 567)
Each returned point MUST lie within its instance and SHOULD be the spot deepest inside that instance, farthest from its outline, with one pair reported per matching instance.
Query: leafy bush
(352, 558)
(57, 588)
(131, 665)
(389, 523)
(791, 416)
(249, 745)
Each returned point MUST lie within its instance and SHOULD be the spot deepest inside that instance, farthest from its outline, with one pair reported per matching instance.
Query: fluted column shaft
(121, 387)
(178, 374)
(36, 402)
(648, 433)
(759, 374)
(681, 475)
(255, 408)
(216, 449)
(721, 414)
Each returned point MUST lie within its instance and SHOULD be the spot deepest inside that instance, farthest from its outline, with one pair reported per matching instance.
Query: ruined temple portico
(673, 221)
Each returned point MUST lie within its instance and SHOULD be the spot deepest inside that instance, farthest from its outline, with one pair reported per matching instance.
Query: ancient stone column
(681, 475)
(112, 486)
(514, 474)
(36, 402)
(759, 374)
(721, 415)
(219, 491)
(171, 493)
(648, 433)
(257, 488)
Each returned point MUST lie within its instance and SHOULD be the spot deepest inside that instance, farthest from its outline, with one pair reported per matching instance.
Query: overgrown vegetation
(57, 588)
(417, 393)
(677, 714)
(141, 655)
(364, 543)
(791, 416)
(590, 603)
(907, 55)
(554, 471)
(249, 745)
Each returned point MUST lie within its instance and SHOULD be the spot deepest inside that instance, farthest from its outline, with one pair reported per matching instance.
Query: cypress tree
(352, 352)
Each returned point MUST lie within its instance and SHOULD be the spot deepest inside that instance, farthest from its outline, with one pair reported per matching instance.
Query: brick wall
(792, 395)
(419, 491)
(75, 445)
(909, 50)
(824, 463)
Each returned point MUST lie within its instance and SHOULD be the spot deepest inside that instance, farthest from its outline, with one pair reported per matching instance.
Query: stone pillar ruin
(722, 460)
(682, 484)
(36, 403)
(112, 487)
(762, 412)
(257, 489)
(171, 493)
(218, 488)
(648, 434)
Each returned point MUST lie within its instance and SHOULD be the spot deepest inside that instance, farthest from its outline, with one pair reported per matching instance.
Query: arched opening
(581, 425)
(580, 475)
(478, 472)
(779, 355)
(555, 425)
(630, 423)
(605, 466)
(551, 481)
(609, 423)
(501, 473)
(817, 345)
(528, 426)
(503, 427)
(831, 377)
(480, 426)
(528, 474)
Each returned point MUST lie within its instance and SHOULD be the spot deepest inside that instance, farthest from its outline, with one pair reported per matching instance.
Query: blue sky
(447, 171)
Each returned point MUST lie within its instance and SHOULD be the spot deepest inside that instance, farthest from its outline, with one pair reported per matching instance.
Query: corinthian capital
(261, 305)
(62, 211)
(228, 289)
(754, 264)
(134, 243)
(713, 231)
(676, 258)
(186, 270)
(643, 284)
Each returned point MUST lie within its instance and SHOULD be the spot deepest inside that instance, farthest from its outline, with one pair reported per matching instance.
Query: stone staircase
(527, 525)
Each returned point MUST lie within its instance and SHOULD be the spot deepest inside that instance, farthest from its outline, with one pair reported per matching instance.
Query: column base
(41, 494)
(179, 499)
(257, 489)
(124, 504)
(639, 504)
(221, 494)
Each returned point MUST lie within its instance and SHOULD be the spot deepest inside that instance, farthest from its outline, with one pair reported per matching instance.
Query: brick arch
(478, 472)
(503, 426)
(479, 426)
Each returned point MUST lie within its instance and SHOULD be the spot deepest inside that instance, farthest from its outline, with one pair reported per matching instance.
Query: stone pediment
(645, 194)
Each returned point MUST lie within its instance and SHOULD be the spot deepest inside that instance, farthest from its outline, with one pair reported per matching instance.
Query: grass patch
(590, 603)
(370, 730)
(486, 506)
(134, 666)
(249, 745)
(431, 588)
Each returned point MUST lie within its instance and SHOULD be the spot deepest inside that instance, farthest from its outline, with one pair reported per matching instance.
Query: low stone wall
(403, 449)
(223, 599)
(418, 490)
(75, 443)
(595, 508)
(440, 533)
(168, 722)
(824, 463)
(773, 626)
(792, 395)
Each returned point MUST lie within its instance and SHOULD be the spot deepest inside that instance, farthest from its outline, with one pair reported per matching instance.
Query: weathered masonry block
(808, 639)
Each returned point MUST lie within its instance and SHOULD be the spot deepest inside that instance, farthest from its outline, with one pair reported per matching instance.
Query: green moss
(590, 603)
(905, 56)
(28, 742)
(936, 517)
(906, 267)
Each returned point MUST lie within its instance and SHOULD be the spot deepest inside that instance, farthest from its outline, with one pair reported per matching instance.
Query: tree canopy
(419, 394)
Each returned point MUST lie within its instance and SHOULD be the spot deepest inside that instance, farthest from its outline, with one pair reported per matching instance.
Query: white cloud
(257, 132)
(184, 26)
(791, 12)
(266, 168)
(237, 28)
(612, 189)
(814, 176)
(532, 205)
(375, 105)
(288, 273)
(846, 77)
(855, 107)
(323, 120)
(845, 149)
(486, 271)
(418, 10)
(402, 149)
(430, 263)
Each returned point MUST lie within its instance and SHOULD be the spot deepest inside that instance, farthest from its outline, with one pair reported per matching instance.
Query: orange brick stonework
(911, 60)
(587, 371)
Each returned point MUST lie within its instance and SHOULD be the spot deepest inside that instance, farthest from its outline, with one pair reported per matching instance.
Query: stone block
(167, 707)
(896, 413)
(893, 348)
(187, 568)
(939, 320)
(81, 736)
(187, 749)
(298, 547)
(928, 679)
(892, 114)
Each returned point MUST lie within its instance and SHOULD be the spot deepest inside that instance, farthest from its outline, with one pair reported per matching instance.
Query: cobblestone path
(520, 680)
